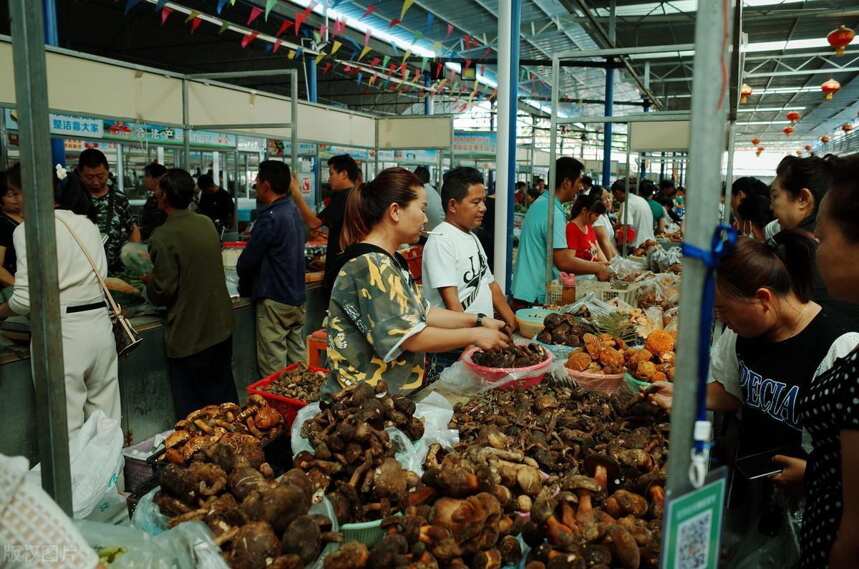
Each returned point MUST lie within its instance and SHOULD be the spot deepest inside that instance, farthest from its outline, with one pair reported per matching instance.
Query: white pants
(91, 367)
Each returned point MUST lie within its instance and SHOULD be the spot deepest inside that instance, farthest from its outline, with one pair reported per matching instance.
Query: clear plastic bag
(147, 515)
(624, 269)
(436, 412)
(135, 257)
(460, 380)
(299, 443)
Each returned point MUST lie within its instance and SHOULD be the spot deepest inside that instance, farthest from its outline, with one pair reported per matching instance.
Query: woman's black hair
(591, 201)
(72, 196)
(813, 173)
(367, 204)
(750, 186)
(842, 200)
(756, 209)
(154, 170)
(786, 267)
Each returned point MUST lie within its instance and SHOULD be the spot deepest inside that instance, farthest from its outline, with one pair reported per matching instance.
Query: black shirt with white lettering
(772, 376)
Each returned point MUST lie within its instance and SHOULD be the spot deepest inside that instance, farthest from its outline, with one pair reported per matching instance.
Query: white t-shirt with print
(453, 257)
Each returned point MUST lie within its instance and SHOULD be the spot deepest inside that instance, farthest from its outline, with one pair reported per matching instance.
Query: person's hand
(489, 339)
(603, 275)
(661, 394)
(792, 475)
(511, 325)
(493, 323)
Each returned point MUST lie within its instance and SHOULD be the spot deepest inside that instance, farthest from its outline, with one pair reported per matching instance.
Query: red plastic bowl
(286, 406)
(535, 373)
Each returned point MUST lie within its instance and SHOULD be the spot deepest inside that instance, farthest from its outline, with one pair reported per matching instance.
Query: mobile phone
(760, 465)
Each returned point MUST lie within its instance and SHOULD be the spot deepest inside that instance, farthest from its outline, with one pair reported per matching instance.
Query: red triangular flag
(165, 13)
(327, 67)
(276, 47)
(249, 37)
(438, 68)
(368, 11)
(283, 25)
(195, 23)
(299, 19)
(449, 30)
(394, 23)
(375, 61)
(255, 13)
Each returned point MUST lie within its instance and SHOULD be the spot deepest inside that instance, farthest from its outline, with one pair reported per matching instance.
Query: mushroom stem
(601, 477)
(555, 529)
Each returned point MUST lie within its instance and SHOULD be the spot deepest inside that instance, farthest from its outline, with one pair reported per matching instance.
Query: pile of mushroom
(603, 354)
(204, 427)
(654, 362)
(353, 460)
(302, 384)
(600, 463)
(511, 357)
(562, 329)
(259, 522)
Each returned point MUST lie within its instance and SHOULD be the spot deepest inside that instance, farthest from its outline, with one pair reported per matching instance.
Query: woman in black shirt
(11, 215)
(829, 408)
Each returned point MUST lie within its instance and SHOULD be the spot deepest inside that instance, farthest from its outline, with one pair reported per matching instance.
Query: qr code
(693, 542)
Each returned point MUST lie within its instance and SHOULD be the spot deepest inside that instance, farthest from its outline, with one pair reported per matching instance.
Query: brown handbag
(127, 338)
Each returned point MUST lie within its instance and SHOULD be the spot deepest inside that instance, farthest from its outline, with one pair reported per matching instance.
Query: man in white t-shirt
(456, 273)
(640, 215)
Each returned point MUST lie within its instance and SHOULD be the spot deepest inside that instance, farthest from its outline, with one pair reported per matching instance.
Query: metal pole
(376, 142)
(553, 156)
(708, 132)
(312, 79)
(52, 37)
(729, 172)
(625, 221)
(609, 101)
(120, 167)
(236, 189)
(506, 105)
(31, 94)
(515, 25)
(4, 141)
(186, 126)
(293, 120)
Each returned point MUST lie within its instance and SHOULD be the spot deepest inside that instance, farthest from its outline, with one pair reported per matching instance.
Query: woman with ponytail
(379, 326)
(582, 238)
(776, 342)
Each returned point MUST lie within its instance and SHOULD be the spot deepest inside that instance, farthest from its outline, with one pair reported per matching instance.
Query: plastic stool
(317, 349)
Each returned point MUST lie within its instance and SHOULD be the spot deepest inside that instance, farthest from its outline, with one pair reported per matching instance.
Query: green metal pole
(31, 92)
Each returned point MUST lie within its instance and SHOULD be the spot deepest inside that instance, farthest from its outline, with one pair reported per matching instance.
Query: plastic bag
(135, 257)
(95, 453)
(624, 269)
(460, 380)
(138, 550)
(661, 260)
(436, 412)
(147, 515)
(299, 443)
(190, 544)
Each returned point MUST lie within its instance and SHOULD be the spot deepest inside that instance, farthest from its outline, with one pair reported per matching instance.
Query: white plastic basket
(608, 291)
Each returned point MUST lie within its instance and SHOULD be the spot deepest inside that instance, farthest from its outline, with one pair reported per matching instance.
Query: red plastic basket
(317, 348)
(536, 373)
(286, 406)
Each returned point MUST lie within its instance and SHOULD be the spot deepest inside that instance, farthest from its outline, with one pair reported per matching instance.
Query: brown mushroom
(624, 547)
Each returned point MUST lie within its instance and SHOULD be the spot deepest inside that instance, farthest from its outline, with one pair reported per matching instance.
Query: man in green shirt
(529, 278)
(188, 278)
(647, 189)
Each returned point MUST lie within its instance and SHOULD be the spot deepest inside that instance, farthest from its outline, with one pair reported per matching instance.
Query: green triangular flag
(269, 4)
(424, 63)
(385, 61)
(224, 26)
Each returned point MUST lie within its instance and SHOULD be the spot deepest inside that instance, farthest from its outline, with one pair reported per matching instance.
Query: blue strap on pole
(724, 239)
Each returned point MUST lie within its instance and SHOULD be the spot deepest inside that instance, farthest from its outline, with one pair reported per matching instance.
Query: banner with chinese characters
(64, 125)
(141, 132)
(210, 139)
(474, 143)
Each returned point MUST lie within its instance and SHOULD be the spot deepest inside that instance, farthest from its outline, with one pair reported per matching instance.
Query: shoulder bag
(127, 338)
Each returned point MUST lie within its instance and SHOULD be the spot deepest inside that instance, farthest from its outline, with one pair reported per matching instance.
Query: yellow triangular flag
(406, 56)
(192, 15)
(364, 52)
(291, 54)
(320, 57)
(406, 5)
(337, 45)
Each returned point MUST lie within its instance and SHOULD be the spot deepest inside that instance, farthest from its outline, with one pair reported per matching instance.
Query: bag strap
(113, 306)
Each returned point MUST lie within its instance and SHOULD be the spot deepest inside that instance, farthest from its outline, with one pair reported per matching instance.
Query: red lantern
(808, 147)
(759, 150)
(824, 138)
(756, 141)
(788, 130)
(847, 127)
(830, 88)
(793, 116)
(840, 38)
(745, 93)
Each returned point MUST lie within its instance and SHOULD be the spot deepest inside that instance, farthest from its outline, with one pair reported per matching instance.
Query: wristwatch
(479, 322)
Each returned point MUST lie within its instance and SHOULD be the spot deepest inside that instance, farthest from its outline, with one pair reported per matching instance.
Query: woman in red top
(581, 236)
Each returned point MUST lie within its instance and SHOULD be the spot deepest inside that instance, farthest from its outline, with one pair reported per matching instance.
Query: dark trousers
(201, 379)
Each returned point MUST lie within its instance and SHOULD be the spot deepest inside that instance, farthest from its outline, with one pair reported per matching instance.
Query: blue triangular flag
(428, 26)
(299, 52)
(159, 5)
(360, 78)
(130, 4)
(221, 4)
